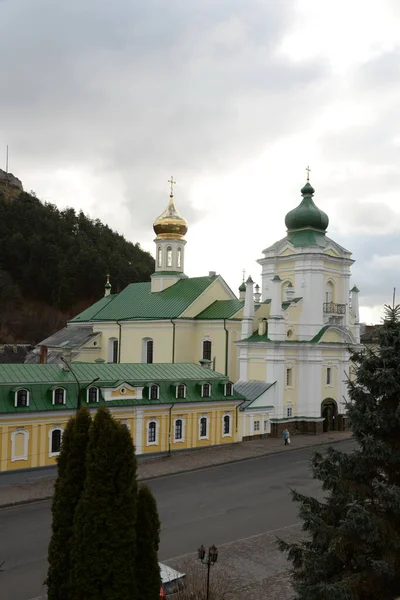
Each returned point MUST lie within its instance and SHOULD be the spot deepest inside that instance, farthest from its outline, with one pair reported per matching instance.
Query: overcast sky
(102, 100)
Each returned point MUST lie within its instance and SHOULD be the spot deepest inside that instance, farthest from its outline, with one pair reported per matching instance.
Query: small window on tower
(179, 258)
(328, 376)
(169, 256)
(159, 256)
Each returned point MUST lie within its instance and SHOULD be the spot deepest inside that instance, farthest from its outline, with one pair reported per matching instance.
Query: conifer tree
(353, 548)
(67, 492)
(148, 539)
(103, 547)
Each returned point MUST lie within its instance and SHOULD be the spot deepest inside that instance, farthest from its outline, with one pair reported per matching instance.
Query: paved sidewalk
(179, 463)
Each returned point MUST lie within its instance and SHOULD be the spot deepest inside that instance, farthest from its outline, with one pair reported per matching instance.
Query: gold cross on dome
(172, 182)
(308, 173)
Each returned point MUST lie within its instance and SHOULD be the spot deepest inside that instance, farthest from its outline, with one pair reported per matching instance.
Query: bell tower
(170, 228)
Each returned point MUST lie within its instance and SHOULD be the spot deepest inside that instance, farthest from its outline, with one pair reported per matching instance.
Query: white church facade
(285, 346)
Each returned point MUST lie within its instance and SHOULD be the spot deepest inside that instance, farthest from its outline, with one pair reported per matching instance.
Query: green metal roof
(137, 301)
(304, 238)
(90, 312)
(255, 337)
(286, 305)
(221, 309)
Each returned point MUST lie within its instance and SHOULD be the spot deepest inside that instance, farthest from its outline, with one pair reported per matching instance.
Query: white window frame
(289, 412)
(207, 436)
(169, 257)
(258, 421)
(179, 257)
(25, 433)
(176, 391)
(149, 422)
(16, 397)
(207, 339)
(54, 395)
(111, 341)
(55, 428)
(158, 391)
(229, 434)
(182, 439)
(159, 257)
(97, 393)
(202, 390)
(226, 386)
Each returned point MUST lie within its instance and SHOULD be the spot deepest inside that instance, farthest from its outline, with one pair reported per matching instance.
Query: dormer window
(229, 388)
(181, 391)
(58, 396)
(154, 392)
(206, 390)
(93, 394)
(21, 398)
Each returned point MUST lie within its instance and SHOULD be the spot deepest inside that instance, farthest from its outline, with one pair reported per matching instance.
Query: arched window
(21, 398)
(226, 425)
(169, 256)
(329, 292)
(19, 445)
(203, 428)
(93, 394)
(229, 389)
(181, 390)
(159, 256)
(55, 438)
(207, 348)
(58, 396)
(152, 432)
(147, 350)
(179, 258)
(154, 392)
(206, 390)
(112, 350)
(178, 430)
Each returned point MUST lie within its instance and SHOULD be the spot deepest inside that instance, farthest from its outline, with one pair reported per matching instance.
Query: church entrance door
(329, 412)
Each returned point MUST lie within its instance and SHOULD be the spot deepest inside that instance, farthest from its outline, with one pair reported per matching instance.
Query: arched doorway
(329, 412)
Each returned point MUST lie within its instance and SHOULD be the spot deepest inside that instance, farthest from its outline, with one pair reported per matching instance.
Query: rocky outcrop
(8, 179)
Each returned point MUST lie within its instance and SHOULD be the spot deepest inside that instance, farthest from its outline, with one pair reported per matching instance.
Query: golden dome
(170, 224)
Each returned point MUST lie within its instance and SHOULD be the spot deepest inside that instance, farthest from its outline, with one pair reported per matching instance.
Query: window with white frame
(159, 256)
(93, 394)
(206, 390)
(289, 377)
(181, 391)
(113, 350)
(21, 398)
(179, 258)
(265, 426)
(149, 351)
(19, 445)
(152, 432)
(203, 430)
(289, 411)
(256, 426)
(55, 438)
(207, 349)
(229, 389)
(58, 396)
(226, 424)
(178, 430)
(154, 392)
(169, 256)
(328, 376)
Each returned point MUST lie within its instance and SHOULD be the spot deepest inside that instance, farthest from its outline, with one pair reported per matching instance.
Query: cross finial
(244, 274)
(172, 182)
(308, 173)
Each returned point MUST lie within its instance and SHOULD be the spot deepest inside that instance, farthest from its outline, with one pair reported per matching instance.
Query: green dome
(242, 287)
(307, 214)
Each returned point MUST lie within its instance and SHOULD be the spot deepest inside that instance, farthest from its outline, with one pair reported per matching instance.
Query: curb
(193, 469)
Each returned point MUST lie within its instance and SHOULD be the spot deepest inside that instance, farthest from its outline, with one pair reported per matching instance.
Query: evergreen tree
(148, 540)
(103, 547)
(67, 492)
(353, 548)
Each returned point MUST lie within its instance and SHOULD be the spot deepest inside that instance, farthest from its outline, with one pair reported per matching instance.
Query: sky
(102, 101)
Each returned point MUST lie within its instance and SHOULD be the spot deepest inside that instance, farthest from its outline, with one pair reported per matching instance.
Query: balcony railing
(334, 309)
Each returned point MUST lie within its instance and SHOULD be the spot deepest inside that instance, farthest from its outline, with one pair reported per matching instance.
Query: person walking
(286, 437)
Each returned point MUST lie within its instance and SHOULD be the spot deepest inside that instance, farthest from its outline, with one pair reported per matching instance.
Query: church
(284, 346)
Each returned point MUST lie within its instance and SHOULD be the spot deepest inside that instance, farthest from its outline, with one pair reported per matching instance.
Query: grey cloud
(381, 72)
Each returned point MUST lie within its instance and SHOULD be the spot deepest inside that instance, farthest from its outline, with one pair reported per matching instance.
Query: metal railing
(333, 308)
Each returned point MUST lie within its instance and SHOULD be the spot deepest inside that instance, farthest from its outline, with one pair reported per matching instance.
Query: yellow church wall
(132, 336)
(256, 369)
(234, 334)
(262, 312)
(186, 349)
(216, 291)
(332, 336)
(108, 331)
(330, 390)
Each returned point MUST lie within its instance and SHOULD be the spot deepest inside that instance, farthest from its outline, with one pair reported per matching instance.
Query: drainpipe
(226, 347)
(119, 341)
(237, 409)
(173, 341)
(169, 429)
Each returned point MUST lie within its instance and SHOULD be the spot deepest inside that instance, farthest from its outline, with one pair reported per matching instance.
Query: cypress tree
(68, 489)
(148, 540)
(103, 547)
(353, 548)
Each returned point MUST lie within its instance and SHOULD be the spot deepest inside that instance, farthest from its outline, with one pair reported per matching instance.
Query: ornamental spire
(172, 182)
(308, 173)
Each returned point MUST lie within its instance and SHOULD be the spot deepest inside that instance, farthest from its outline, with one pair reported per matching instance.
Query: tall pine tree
(104, 542)
(68, 489)
(148, 539)
(353, 548)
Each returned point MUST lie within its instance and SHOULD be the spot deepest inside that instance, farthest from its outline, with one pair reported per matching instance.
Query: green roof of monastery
(304, 238)
(221, 309)
(255, 337)
(137, 301)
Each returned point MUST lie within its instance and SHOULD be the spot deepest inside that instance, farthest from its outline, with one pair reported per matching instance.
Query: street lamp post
(209, 560)
(80, 390)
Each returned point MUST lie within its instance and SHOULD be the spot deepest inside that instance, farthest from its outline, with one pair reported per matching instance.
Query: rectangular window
(92, 394)
(207, 350)
(328, 376)
(265, 426)
(256, 425)
(59, 396)
(289, 377)
(203, 427)
(149, 351)
(178, 429)
(152, 433)
(115, 351)
(206, 390)
(55, 441)
(227, 425)
(289, 412)
(181, 391)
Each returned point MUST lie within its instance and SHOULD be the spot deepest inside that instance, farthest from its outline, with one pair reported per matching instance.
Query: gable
(218, 290)
(331, 252)
(286, 252)
(335, 335)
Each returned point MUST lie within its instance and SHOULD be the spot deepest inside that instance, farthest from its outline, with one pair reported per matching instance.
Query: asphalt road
(212, 506)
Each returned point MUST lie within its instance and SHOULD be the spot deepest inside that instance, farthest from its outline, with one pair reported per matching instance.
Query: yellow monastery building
(284, 345)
